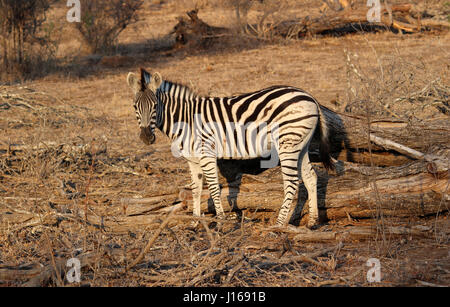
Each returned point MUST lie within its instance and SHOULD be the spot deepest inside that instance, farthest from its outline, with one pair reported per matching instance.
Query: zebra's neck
(176, 106)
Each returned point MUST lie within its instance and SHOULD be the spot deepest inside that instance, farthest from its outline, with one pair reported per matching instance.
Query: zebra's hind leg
(289, 170)
(233, 188)
(196, 185)
(309, 177)
(209, 167)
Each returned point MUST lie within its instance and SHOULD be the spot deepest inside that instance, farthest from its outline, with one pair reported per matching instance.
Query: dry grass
(69, 142)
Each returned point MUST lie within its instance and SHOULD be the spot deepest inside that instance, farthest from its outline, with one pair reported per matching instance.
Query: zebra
(204, 126)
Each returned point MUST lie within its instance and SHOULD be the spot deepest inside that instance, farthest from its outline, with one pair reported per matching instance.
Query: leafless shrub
(269, 13)
(395, 88)
(24, 36)
(102, 21)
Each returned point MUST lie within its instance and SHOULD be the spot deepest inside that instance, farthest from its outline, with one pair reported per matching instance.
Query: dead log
(140, 222)
(395, 191)
(362, 233)
(349, 20)
(8, 272)
(392, 141)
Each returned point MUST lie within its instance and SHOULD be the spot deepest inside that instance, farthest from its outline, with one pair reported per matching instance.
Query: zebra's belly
(243, 156)
(245, 150)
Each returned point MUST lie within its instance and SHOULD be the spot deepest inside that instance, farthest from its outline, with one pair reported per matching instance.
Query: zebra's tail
(324, 146)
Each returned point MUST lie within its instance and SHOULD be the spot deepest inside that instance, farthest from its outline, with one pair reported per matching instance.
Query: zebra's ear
(156, 81)
(134, 82)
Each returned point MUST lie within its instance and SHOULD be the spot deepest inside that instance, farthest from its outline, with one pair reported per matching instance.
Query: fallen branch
(308, 258)
(152, 239)
(356, 17)
(24, 271)
(38, 275)
(359, 233)
(442, 164)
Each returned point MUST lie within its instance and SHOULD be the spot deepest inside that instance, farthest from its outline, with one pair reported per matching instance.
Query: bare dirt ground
(70, 155)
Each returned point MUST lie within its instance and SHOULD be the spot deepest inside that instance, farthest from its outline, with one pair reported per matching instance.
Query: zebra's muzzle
(147, 136)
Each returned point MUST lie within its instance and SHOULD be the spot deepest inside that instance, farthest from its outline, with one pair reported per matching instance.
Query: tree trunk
(352, 192)
(349, 20)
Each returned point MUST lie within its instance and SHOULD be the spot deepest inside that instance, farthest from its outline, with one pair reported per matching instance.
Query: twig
(235, 269)
(231, 263)
(208, 232)
(152, 240)
(329, 282)
(57, 269)
(429, 284)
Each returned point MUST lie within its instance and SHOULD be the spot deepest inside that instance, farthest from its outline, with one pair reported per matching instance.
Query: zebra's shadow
(232, 171)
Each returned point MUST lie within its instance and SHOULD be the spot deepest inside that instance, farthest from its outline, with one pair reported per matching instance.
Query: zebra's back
(247, 125)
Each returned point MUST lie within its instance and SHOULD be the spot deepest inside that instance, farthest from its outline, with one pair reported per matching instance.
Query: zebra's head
(145, 100)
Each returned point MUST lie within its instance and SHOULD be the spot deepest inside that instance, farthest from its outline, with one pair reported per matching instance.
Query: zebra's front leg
(209, 167)
(196, 185)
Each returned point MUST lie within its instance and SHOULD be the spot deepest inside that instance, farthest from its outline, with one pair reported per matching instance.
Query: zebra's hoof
(312, 224)
(234, 216)
(221, 216)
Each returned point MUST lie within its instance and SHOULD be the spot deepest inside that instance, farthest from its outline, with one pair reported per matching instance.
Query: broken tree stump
(194, 32)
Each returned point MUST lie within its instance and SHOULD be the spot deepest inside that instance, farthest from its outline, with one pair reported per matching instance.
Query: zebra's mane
(166, 85)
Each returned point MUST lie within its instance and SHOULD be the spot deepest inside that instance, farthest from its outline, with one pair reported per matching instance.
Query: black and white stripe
(279, 119)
